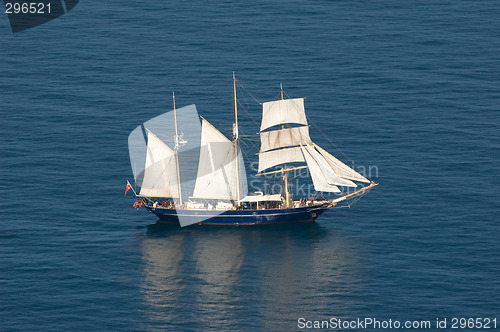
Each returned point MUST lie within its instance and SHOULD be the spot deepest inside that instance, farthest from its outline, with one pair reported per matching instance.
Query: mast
(176, 151)
(236, 141)
(293, 144)
(285, 174)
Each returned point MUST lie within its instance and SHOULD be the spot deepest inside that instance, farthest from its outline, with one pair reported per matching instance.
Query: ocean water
(410, 89)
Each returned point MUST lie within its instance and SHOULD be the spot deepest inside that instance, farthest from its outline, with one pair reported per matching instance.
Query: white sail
(216, 177)
(340, 168)
(318, 178)
(284, 137)
(160, 173)
(321, 173)
(283, 111)
(331, 176)
(278, 157)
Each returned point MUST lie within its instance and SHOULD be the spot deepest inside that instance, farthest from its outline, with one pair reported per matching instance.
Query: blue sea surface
(410, 89)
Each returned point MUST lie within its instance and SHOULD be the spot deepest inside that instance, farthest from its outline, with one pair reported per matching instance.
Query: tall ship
(220, 195)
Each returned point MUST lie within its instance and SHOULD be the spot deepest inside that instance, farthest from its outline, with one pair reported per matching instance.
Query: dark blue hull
(240, 217)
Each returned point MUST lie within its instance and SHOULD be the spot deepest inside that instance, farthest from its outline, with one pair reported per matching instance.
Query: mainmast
(285, 174)
(236, 140)
(176, 151)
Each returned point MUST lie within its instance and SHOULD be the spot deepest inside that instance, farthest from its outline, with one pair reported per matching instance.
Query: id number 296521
(471, 323)
(27, 8)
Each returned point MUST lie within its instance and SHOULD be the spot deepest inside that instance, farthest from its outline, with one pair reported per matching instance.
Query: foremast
(284, 170)
(291, 143)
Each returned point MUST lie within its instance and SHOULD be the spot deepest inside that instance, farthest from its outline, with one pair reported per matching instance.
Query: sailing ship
(220, 190)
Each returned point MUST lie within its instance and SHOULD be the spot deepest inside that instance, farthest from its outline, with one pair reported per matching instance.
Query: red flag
(128, 188)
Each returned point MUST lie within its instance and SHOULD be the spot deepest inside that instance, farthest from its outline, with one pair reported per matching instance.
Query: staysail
(217, 167)
(322, 174)
(320, 181)
(340, 168)
(160, 172)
